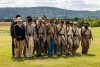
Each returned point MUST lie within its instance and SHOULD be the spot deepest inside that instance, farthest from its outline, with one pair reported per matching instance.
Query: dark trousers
(39, 46)
(38, 52)
(55, 47)
(45, 47)
(12, 46)
(50, 47)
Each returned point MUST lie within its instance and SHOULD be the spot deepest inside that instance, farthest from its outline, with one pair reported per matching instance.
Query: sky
(91, 5)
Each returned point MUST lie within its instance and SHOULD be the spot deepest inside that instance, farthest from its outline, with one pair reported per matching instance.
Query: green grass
(92, 59)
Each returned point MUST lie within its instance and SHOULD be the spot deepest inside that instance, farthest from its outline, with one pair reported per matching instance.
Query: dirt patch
(5, 24)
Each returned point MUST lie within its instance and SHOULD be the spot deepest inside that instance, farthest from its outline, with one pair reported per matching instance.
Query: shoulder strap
(66, 29)
(38, 28)
(84, 31)
(48, 29)
(74, 31)
(60, 30)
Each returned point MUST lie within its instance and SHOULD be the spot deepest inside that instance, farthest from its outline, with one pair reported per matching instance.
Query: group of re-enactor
(44, 37)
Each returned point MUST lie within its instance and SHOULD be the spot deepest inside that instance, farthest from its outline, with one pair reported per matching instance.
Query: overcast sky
(91, 5)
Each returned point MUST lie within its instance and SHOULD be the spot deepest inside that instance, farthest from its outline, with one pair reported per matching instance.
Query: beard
(86, 27)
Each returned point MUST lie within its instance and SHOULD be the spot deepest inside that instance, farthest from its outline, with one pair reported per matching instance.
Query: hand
(37, 39)
(14, 39)
(45, 39)
(27, 39)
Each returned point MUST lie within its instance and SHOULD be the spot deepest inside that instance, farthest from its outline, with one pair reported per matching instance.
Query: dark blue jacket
(19, 32)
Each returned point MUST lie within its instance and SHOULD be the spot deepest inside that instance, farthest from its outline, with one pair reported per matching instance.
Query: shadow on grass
(18, 59)
(45, 57)
(72, 56)
(90, 54)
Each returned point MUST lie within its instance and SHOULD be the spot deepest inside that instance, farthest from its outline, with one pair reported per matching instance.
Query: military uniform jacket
(30, 31)
(51, 30)
(62, 32)
(69, 31)
(19, 32)
(86, 33)
(75, 32)
(41, 30)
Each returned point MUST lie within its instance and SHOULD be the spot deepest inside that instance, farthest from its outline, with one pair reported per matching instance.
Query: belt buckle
(19, 36)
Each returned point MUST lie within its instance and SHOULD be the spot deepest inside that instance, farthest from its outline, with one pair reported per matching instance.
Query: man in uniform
(19, 37)
(71, 23)
(46, 21)
(76, 37)
(69, 34)
(61, 36)
(11, 28)
(86, 36)
(30, 36)
(41, 35)
(51, 36)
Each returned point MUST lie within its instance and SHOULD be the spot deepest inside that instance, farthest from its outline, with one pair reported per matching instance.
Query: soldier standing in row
(46, 21)
(41, 36)
(19, 37)
(71, 23)
(86, 36)
(30, 37)
(11, 28)
(69, 34)
(51, 35)
(61, 36)
(76, 37)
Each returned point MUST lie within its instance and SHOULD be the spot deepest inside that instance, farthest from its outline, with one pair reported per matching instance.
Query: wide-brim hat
(86, 23)
(62, 21)
(19, 19)
(71, 22)
(75, 22)
(67, 22)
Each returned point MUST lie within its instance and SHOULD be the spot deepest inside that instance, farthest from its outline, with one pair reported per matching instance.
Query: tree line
(94, 22)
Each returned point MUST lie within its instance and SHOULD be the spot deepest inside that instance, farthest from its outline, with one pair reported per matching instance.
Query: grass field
(92, 59)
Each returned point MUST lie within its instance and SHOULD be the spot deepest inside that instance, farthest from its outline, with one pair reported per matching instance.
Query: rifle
(12, 24)
(26, 34)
